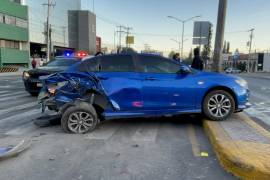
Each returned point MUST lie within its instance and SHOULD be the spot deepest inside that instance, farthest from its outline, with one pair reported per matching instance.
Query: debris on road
(8, 152)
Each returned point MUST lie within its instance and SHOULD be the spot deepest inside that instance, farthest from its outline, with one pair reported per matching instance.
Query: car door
(163, 87)
(120, 81)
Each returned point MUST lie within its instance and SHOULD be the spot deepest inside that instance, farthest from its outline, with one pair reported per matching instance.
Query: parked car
(31, 79)
(138, 85)
(233, 71)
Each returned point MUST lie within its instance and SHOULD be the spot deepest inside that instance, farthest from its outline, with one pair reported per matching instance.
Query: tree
(128, 50)
(224, 47)
(228, 47)
(207, 48)
(171, 54)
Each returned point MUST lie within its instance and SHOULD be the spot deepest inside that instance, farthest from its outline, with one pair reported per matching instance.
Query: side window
(89, 65)
(150, 64)
(117, 63)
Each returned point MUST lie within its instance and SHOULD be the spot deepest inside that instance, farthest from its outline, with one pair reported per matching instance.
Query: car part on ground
(9, 152)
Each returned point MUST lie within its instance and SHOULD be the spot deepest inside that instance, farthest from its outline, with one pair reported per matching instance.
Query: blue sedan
(138, 85)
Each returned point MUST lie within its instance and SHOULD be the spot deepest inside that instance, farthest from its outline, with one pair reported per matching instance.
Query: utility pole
(64, 35)
(120, 35)
(219, 35)
(49, 4)
(250, 46)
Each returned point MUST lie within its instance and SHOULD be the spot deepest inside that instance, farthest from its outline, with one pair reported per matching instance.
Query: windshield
(62, 62)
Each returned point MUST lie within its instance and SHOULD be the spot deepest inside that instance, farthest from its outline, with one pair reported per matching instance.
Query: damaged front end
(64, 89)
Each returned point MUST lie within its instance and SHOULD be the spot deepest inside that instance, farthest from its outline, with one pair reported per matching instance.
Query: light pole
(179, 43)
(183, 28)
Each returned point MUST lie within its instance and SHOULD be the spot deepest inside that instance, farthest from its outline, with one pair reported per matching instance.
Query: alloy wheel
(219, 105)
(80, 122)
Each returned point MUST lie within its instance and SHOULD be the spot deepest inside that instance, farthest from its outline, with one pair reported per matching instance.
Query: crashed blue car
(138, 85)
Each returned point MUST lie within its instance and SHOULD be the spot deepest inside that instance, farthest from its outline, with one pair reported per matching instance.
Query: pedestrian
(41, 62)
(176, 57)
(197, 62)
(34, 63)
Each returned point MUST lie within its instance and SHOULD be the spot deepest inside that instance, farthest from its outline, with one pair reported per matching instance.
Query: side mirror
(184, 70)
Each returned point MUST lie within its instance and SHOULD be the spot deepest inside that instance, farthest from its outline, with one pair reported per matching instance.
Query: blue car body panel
(136, 94)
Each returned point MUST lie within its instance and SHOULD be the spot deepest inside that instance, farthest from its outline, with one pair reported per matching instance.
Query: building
(58, 21)
(13, 33)
(82, 30)
(256, 63)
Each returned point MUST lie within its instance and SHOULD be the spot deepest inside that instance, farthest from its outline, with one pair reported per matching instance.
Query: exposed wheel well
(228, 90)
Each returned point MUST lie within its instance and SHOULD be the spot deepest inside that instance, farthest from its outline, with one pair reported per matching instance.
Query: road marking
(7, 86)
(255, 125)
(146, 132)
(104, 132)
(12, 94)
(17, 108)
(3, 92)
(258, 114)
(20, 116)
(193, 140)
(14, 97)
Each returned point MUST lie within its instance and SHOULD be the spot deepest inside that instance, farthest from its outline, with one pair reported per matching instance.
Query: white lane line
(12, 94)
(21, 116)
(14, 97)
(17, 108)
(146, 132)
(6, 86)
(258, 114)
(105, 131)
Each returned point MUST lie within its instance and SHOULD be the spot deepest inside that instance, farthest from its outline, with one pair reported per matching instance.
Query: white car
(233, 71)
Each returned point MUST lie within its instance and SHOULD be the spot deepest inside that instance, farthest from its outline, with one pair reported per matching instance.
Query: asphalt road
(143, 149)
(259, 85)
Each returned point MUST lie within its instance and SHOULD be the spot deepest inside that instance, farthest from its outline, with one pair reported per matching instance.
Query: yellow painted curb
(246, 160)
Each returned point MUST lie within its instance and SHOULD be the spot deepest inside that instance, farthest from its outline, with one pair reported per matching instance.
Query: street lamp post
(179, 43)
(183, 28)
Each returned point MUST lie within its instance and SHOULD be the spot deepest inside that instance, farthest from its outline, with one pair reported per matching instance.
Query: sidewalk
(242, 146)
(18, 73)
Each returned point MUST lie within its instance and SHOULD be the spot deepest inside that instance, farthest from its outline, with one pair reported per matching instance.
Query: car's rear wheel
(218, 105)
(33, 94)
(79, 119)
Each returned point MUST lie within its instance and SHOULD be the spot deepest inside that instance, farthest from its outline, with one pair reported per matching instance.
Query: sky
(150, 24)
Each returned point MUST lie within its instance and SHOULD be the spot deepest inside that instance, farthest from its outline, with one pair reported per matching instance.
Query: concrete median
(242, 146)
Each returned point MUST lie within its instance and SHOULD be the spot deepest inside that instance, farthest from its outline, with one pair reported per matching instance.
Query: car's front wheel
(218, 105)
(79, 119)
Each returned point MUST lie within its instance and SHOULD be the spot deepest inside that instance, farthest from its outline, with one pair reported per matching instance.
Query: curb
(244, 159)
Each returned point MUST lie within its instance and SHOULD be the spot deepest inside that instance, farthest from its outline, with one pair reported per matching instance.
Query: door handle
(103, 78)
(150, 79)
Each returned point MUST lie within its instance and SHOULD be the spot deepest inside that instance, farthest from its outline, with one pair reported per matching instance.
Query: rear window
(117, 63)
(62, 62)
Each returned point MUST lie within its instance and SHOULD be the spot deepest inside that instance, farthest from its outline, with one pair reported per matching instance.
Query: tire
(218, 105)
(79, 119)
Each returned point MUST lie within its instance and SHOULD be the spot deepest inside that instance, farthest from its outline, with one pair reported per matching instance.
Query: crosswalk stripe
(12, 94)
(21, 116)
(17, 108)
(258, 114)
(146, 132)
(105, 131)
(13, 97)
(3, 92)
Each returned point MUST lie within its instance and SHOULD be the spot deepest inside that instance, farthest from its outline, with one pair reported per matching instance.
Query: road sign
(201, 32)
(130, 39)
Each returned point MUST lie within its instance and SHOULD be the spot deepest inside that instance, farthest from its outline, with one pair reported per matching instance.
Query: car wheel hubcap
(219, 105)
(80, 122)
